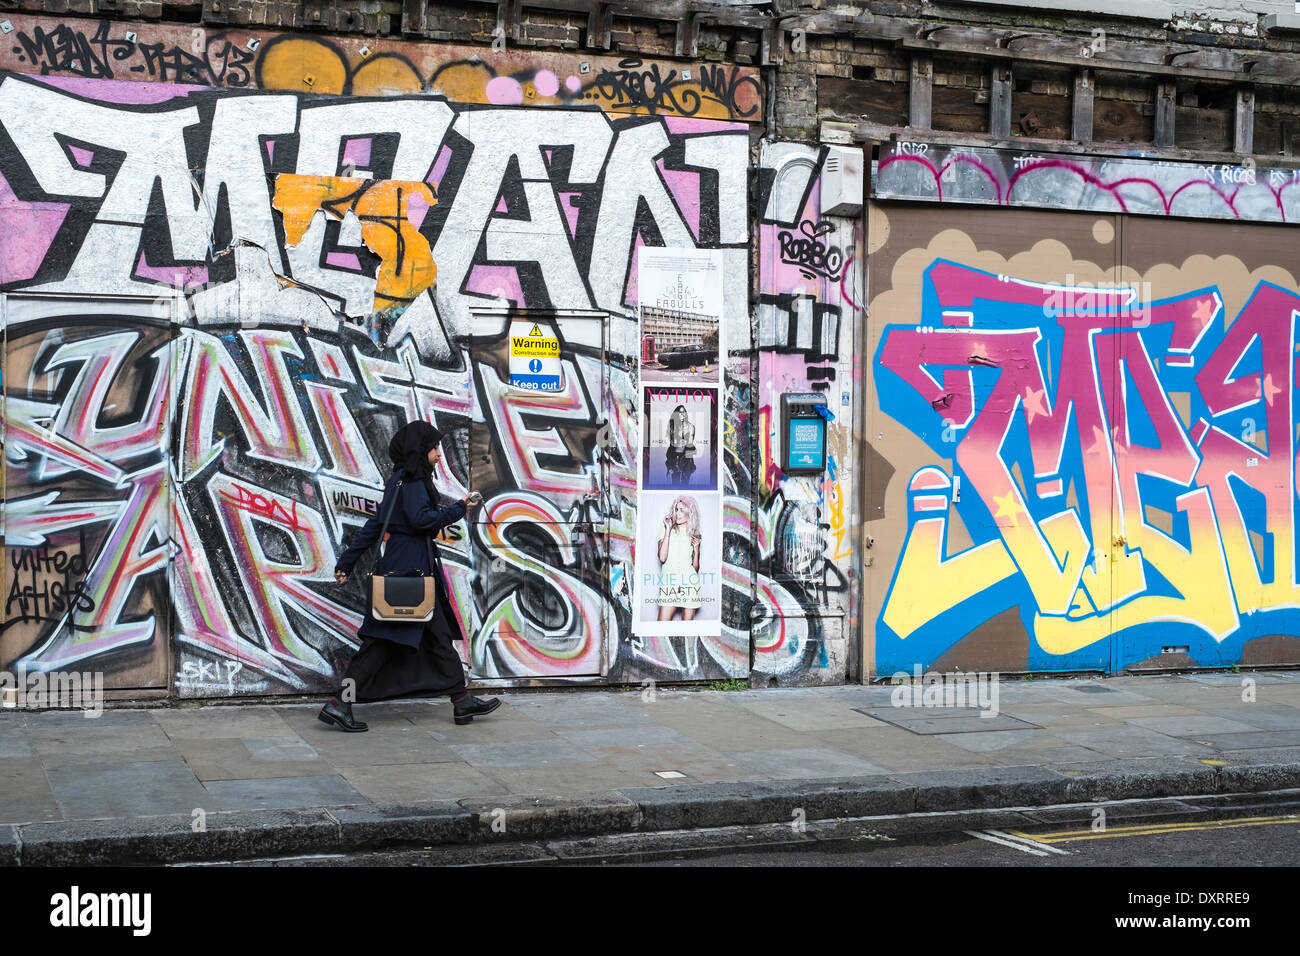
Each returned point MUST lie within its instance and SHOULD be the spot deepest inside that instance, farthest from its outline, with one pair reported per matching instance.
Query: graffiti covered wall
(809, 296)
(223, 303)
(1089, 425)
(252, 59)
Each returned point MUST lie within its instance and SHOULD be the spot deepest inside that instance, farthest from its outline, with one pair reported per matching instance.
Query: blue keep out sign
(537, 383)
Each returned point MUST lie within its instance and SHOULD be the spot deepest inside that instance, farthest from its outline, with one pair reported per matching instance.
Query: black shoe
(341, 714)
(469, 708)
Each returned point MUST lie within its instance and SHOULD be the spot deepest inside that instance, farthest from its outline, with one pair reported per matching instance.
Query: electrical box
(803, 433)
(842, 181)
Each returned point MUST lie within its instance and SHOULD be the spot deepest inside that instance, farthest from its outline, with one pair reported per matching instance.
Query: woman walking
(400, 658)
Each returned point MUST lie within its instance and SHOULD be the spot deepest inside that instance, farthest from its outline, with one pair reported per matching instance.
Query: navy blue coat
(416, 518)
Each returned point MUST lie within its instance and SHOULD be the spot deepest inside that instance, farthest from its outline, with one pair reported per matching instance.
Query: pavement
(256, 780)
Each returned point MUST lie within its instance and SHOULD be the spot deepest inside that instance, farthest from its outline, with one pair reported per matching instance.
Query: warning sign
(535, 358)
(535, 343)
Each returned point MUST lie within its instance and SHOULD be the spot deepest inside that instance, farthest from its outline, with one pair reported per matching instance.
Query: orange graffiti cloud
(383, 208)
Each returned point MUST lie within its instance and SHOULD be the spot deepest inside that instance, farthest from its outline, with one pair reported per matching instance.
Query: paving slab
(995, 740)
(408, 783)
(1124, 712)
(25, 794)
(113, 732)
(277, 793)
(14, 741)
(1263, 755)
(1250, 741)
(812, 715)
(291, 747)
(1263, 716)
(556, 779)
(1134, 742)
(1234, 680)
(622, 738)
(699, 763)
(398, 744)
(522, 753)
(927, 753)
(126, 790)
(577, 710)
(225, 758)
(221, 722)
(932, 720)
(1191, 726)
(802, 762)
(1093, 694)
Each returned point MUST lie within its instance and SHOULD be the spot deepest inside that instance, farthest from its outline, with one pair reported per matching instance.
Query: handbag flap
(403, 591)
(403, 597)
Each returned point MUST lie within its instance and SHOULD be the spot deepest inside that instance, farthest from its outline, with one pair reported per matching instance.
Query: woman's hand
(472, 500)
(340, 577)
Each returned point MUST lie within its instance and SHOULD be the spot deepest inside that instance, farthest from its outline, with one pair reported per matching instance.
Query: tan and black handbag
(403, 595)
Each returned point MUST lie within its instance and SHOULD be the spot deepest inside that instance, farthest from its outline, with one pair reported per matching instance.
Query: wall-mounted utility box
(803, 433)
(842, 181)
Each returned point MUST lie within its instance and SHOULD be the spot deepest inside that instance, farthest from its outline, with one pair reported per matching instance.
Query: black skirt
(385, 669)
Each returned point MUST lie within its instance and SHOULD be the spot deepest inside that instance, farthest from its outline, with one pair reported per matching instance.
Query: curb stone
(371, 826)
(1140, 779)
(237, 834)
(986, 788)
(919, 802)
(524, 817)
(10, 846)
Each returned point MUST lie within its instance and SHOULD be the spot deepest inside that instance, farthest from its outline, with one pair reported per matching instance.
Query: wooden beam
(509, 19)
(688, 36)
(1275, 74)
(414, 15)
(598, 27)
(1243, 130)
(920, 88)
(771, 51)
(1000, 86)
(1166, 105)
(1081, 115)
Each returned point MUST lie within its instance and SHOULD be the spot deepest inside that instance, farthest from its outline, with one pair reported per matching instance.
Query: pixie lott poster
(679, 565)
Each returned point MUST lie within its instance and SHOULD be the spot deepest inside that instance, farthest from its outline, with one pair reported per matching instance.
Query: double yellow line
(1153, 829)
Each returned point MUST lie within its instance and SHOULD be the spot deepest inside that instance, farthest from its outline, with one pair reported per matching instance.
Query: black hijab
(410, 449)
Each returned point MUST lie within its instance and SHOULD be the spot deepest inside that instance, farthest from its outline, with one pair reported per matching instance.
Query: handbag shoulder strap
(428, 539)
(383, 534)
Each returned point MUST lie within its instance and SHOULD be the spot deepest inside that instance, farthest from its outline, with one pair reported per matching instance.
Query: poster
(678, 574)
(679, 564)
(679, 301)
(678, 448)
